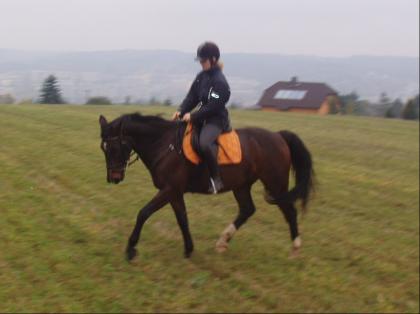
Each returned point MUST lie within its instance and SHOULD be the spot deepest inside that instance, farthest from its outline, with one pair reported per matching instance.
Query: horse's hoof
(187, 254)
(131, 253)
(294, 253)
(221, 247)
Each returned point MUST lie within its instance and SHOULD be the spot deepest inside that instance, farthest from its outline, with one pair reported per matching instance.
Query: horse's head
(116, 148)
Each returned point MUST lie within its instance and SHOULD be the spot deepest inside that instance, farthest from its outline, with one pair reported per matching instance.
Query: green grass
(63, 229)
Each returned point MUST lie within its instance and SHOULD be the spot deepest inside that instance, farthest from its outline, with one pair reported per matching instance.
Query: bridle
(121, 141)
(177, 147)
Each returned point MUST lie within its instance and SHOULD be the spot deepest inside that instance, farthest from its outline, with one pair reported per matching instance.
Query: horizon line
(61, 51)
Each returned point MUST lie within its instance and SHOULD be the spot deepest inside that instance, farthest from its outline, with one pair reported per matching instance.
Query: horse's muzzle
(115, 176)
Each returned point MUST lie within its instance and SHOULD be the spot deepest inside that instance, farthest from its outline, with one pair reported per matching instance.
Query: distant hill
(168, 74)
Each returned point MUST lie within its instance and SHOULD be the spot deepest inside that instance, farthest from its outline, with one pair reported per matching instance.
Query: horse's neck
(151, 142)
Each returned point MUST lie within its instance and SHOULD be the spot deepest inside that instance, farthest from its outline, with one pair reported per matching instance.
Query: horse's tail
(302, 167)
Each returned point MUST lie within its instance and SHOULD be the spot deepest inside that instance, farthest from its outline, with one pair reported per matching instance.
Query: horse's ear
(102, 121)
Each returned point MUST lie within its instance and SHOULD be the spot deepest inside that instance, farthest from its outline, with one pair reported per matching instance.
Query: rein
(130, 162)
(177, 146)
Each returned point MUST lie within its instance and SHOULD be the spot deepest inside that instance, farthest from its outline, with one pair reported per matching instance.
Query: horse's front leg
(160, 200)
(178, 206)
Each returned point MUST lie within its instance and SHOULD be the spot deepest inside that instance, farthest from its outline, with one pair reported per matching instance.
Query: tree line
(50, 93)
(348, 104)
(351, 104)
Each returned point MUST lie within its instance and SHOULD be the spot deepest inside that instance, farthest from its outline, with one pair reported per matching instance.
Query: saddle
(229, 151)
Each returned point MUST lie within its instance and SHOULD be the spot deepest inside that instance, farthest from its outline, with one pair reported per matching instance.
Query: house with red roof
(296, 96)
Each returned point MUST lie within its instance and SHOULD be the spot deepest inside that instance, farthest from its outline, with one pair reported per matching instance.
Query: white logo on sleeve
(214, 95)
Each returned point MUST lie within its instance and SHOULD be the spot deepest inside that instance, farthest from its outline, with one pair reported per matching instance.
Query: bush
(99, 100)
(167, 102)
(333, 105)
(394, 111)
(26, 101)
(7, 99)
(411, 109)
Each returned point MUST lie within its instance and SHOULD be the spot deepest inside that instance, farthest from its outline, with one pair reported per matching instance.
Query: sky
(336, 28)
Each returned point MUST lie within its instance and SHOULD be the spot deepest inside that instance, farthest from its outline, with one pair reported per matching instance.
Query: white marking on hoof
(294, 253)
(297, 243)
(229, 231)
(221, 246)
(223, 243)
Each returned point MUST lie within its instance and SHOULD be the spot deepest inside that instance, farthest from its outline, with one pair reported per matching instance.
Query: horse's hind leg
(290, 213)
(246, 210)
(276, 185)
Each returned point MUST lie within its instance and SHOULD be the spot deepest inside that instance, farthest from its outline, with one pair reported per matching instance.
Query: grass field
(63, 229)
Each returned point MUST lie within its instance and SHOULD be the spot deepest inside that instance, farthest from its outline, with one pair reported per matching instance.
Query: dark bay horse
(267, 156)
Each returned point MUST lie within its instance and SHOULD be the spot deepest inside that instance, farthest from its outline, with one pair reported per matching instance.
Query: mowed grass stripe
(344, 249)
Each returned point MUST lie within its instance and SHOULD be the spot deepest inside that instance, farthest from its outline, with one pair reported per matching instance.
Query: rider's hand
(186, 117)
(176, 115)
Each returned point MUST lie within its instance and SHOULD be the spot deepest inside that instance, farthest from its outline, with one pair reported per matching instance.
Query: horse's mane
(154, 126)
(153, 121)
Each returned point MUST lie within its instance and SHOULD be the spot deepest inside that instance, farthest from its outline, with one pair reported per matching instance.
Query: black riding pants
(208, 146)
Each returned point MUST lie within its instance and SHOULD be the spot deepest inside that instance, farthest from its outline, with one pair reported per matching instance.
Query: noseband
(121, 142)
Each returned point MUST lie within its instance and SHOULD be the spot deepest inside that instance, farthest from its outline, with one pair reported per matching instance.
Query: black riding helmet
(208, 50)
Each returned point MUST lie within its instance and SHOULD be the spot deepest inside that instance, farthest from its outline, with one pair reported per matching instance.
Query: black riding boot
(216, 183)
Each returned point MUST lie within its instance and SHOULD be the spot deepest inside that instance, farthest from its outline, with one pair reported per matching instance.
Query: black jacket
(211, 90)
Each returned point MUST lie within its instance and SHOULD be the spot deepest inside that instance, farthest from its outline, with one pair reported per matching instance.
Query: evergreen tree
(50, 92)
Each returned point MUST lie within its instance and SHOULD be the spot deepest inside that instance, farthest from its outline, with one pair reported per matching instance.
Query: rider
(211, 90)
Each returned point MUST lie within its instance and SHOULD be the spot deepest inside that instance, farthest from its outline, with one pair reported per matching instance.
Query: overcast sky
(307, 27)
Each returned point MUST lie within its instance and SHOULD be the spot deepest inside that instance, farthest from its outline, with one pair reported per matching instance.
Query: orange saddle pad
(229, 151)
